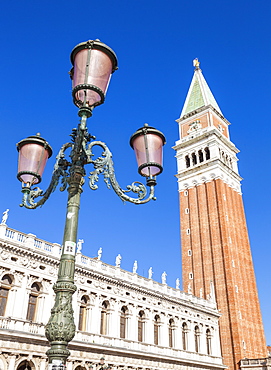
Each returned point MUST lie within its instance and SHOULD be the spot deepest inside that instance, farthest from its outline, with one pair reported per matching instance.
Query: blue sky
(155, 42)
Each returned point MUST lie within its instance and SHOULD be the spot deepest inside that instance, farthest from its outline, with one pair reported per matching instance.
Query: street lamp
(93, 64)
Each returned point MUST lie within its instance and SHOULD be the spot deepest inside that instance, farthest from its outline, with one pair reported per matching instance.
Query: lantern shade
(33, 154)
(93, 63)
(147, 143)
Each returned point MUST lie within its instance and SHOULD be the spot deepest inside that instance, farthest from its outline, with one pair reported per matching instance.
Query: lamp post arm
(104, 165)
(29, 195)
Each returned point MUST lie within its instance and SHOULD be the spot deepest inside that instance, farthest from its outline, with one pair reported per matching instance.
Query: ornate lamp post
(93, 63)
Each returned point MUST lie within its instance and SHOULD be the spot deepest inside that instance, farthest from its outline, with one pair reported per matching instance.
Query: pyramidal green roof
(199, 94)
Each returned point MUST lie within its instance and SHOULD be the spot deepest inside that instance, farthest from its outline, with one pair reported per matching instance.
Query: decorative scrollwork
(81, 154)
(60, 171)
(104, 165)
(137, 188)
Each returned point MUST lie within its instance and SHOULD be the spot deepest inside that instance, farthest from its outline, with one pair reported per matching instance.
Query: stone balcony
(35, 331)
(256, 364)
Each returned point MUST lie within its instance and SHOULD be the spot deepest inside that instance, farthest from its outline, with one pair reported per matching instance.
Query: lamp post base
(58, 353)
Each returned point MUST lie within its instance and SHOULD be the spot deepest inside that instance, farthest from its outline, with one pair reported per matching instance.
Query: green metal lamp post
(93, 63)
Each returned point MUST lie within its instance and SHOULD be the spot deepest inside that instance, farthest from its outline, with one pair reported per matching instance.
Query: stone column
(181, 161)
(11, 362)
(96, 315)
(76, 306)
(19, 309)
(11, 302)
(89, 314)
(88, 317)
(163, 339)
(202, 340)
(25, 306)
(215, 342)
(190, 338)
(148, 327)
(43, 362)
(214, 150)
(69, 365)
(133, 327)
(48, 302)
(40, 308)
(177, 334)
(114, 319)
(130, 322)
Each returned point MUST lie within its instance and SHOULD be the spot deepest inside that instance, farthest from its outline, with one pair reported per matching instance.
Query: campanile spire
(199, 93)
(216, 257)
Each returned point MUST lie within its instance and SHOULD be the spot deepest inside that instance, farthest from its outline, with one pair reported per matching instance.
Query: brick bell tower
(216, 257)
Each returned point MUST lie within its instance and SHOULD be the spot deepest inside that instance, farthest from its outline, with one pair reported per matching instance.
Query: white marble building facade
(134, 322)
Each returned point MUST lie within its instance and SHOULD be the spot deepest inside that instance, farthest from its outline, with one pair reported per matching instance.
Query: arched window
(197, 337)
(83, 313)
(208, 342)
(227, 159)
(104, 318)
(123, 322)
(141, 325)
(207, 153)
(171, 333)
(25, 365)
(6, 282)
(184, 336)
(156, 329)
(194, 159)
(32, 302)
(187, 161)
(200, 156)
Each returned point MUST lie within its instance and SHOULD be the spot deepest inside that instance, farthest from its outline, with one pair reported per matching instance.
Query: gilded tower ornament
(196, 63)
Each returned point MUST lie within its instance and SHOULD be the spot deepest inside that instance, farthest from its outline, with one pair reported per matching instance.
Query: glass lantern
(93, 63)
(33, 154)
(148, 143)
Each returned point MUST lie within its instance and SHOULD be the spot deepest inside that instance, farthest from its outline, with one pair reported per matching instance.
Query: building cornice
(100, 271)
(191, 302)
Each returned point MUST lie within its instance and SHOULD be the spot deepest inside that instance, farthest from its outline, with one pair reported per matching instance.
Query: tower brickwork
(216, 257)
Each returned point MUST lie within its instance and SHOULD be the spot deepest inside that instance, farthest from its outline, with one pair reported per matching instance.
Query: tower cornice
(200, 110)
(208, 172)
(205, 133)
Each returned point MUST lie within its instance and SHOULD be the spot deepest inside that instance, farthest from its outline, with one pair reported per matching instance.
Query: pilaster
(43, 364)
(3, 228)
(11, 362)
(133, 327)
(30, 240)
(163, 331)
(149, 331)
